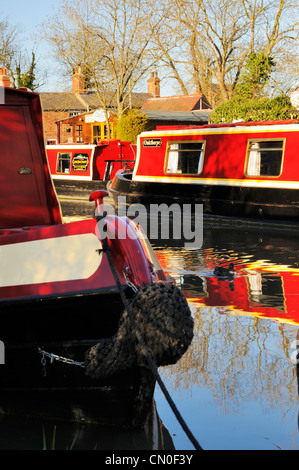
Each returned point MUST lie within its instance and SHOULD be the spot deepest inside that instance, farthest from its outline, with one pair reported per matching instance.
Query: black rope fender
(107, 356)
(163, 318)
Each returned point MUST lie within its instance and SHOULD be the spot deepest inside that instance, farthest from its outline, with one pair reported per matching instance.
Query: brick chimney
(153, 85)
(78, 82)
(4, 79)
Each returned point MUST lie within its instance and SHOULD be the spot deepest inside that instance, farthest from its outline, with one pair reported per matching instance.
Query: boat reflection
(254, 291)
(260, 287)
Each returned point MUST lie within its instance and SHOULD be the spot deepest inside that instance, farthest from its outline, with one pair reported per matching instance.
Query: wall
(50, 128)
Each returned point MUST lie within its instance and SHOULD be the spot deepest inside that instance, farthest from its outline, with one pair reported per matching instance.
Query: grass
(53, 441)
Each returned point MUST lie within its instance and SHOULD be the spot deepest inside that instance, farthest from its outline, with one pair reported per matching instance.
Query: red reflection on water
(257, 289)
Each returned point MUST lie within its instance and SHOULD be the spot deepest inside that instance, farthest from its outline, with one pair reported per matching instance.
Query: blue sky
(30, 14)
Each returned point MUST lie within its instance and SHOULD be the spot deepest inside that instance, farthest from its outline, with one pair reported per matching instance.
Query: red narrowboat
(68, 351)
(79, 169)
(245, 170)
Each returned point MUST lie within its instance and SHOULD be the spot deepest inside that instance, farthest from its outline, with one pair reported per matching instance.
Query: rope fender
(163, 317)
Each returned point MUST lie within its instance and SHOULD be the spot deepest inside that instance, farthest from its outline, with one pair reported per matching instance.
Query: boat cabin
(87, 162)
(237, 170)
(235, 154)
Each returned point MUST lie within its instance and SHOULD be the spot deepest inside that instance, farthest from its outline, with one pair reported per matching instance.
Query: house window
(73, 113)
(100, 132)
(264, 157)
(96, 133)
(63, 162)
(185, 157)
(105, 128)
(79, 133)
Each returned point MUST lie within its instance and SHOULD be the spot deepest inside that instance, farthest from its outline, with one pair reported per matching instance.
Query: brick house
(89, 128)
(71, 117)
(61, 106)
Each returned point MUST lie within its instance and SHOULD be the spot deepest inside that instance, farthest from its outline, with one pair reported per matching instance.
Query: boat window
(266, 290)
(185, 157)
(63, 162)
(264, 157)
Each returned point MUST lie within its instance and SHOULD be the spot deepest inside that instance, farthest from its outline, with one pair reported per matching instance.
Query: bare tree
(63, 31)
(126, 29)
(10, 48)
(254, 10)
(221, 31)
(110, 39)
(73, 45)
(214, 39)
(202, 45)
(211, 36)
(274, 32)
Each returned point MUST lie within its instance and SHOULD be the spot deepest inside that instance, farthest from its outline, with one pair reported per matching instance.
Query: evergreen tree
(258, 69)
(27, 79)
(130, 125)
(249, 102)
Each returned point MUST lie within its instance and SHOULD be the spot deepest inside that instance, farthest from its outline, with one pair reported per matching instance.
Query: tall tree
(110, 39)
(15, 58)
(27, 79)
(255, 76)
(10, 46)
(216, 37)
(212, 35)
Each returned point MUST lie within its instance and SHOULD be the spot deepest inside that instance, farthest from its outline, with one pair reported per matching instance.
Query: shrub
(130, 125)
(264, 109)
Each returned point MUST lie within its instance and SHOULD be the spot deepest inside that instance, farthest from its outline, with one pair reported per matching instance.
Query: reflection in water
(21, 433)
(263, 287)
(244, 333)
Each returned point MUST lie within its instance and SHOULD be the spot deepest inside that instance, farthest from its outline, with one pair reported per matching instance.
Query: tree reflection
(239, 359)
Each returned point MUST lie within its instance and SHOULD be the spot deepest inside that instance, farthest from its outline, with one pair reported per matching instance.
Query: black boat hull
(34, 384)
(76, 189)
(255, 203)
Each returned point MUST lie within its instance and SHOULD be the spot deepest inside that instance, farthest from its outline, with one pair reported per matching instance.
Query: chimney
(78, 82)
(153, 85)
(4, 79)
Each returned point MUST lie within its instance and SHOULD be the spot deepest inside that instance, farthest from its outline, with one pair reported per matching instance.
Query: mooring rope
(148, 356)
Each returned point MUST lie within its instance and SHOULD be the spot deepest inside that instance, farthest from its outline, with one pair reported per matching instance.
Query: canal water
(237, 385)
